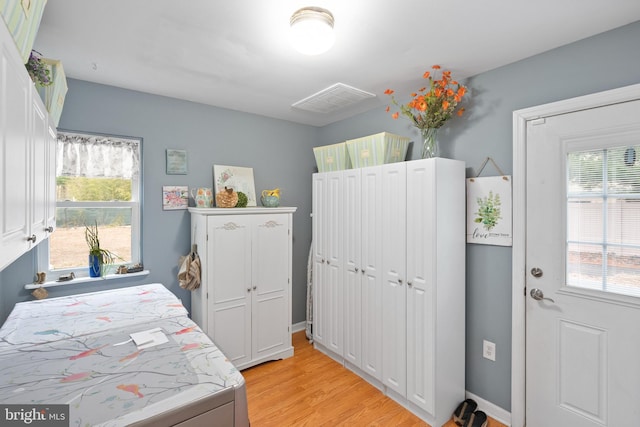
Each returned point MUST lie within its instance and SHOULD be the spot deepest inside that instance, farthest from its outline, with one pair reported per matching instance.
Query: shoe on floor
(464, 411)
(477, 419)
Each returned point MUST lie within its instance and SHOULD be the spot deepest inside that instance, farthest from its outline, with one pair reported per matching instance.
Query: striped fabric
(54, 94)
(23, 20)
(331, 158)
(377, 149)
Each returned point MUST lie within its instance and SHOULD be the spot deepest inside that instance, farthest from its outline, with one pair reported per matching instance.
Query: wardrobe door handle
(32, 238)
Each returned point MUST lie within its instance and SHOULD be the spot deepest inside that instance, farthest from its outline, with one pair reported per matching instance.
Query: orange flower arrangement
(434, 104)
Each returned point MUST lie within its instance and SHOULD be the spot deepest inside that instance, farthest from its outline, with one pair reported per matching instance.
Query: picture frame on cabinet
(236, 177)
(176, 162)
(175, 197)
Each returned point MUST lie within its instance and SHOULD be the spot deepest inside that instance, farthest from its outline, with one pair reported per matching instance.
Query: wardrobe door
(394, 277)
(353, 274)
(230, 275)
(270, 282)
(371, 270)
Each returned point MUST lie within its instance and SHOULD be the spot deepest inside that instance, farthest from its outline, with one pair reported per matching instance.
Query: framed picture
(176, 162)
(489, 220)
(175, 197)
(238, 178)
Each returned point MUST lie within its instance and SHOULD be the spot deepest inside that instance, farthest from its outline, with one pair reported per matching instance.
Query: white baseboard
(300, 326)
(494, 411)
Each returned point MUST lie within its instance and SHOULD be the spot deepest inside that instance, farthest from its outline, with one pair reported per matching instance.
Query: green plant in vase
(99, 258)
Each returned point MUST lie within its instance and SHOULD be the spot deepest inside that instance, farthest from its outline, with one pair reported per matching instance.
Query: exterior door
(583, 268)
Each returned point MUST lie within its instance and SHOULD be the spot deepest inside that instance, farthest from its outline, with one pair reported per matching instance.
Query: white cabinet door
(51, 179)
(371, 269)
(14, 152)
(394, 277)
(39, 162)
(421, 240)
(230, 286)
(328, 269)
(435, 288)
(333, 282)
(271, 307)
(353, 272)
(318, 207)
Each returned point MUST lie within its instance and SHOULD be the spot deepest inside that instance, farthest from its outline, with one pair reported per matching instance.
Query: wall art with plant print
(489, 219)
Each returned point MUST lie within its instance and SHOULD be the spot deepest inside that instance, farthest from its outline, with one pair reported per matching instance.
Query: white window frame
(136, 223)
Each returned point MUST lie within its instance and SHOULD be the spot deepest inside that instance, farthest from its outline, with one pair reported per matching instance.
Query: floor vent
(333, 98)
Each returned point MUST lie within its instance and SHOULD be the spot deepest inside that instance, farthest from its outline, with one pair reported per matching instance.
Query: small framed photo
(175, 197)
(176, 162)
(238, 178)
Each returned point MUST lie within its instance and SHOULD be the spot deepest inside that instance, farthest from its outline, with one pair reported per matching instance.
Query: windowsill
(77, 280)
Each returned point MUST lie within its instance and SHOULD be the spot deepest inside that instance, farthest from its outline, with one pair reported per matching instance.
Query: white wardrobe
(389, 279)
(244, 301)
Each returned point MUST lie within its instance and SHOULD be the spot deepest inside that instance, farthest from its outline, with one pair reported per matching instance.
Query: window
(98, 181)
(603, 220)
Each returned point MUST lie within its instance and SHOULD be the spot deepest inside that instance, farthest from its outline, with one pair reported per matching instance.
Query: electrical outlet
(489, 350)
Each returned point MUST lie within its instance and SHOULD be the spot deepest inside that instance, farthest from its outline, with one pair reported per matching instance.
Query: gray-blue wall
(606, 61)
(280, 153)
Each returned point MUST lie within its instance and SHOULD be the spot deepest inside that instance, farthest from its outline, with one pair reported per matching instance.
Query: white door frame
(518, 312)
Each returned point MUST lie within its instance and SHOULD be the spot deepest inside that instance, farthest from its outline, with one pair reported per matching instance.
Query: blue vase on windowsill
(95, 266)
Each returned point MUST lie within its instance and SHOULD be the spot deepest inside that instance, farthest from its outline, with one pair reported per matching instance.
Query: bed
(77, 350)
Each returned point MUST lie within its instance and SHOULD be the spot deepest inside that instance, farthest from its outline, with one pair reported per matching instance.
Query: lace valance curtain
(97, 156)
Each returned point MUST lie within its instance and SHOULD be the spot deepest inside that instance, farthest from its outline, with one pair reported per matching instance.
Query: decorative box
(377, 149)
(23, 20)
(54, 94)
(330, 158)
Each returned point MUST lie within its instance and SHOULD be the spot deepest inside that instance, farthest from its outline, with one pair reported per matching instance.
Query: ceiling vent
(333, 98)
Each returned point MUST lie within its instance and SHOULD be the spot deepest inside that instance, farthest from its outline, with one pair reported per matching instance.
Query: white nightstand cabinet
(244, 301)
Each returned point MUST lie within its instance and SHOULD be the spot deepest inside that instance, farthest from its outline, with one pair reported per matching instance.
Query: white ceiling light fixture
(312, 30)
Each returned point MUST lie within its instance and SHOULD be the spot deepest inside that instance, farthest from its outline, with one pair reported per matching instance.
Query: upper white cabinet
(402, 287)
(27, 158)
(244, 301)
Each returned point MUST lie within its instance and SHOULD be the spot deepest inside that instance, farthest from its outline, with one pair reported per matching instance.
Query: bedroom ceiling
(236, 54)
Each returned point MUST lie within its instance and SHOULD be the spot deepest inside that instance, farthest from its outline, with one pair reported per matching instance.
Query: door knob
(538, 295)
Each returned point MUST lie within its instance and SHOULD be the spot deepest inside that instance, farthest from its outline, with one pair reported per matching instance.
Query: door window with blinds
(97, 182)
(603, 219)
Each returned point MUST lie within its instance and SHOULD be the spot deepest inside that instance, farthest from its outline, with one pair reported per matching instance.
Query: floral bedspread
(113, 385)
(53, 319)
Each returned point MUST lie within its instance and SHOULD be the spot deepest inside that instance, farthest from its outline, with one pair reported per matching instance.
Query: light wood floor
(311, 389)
